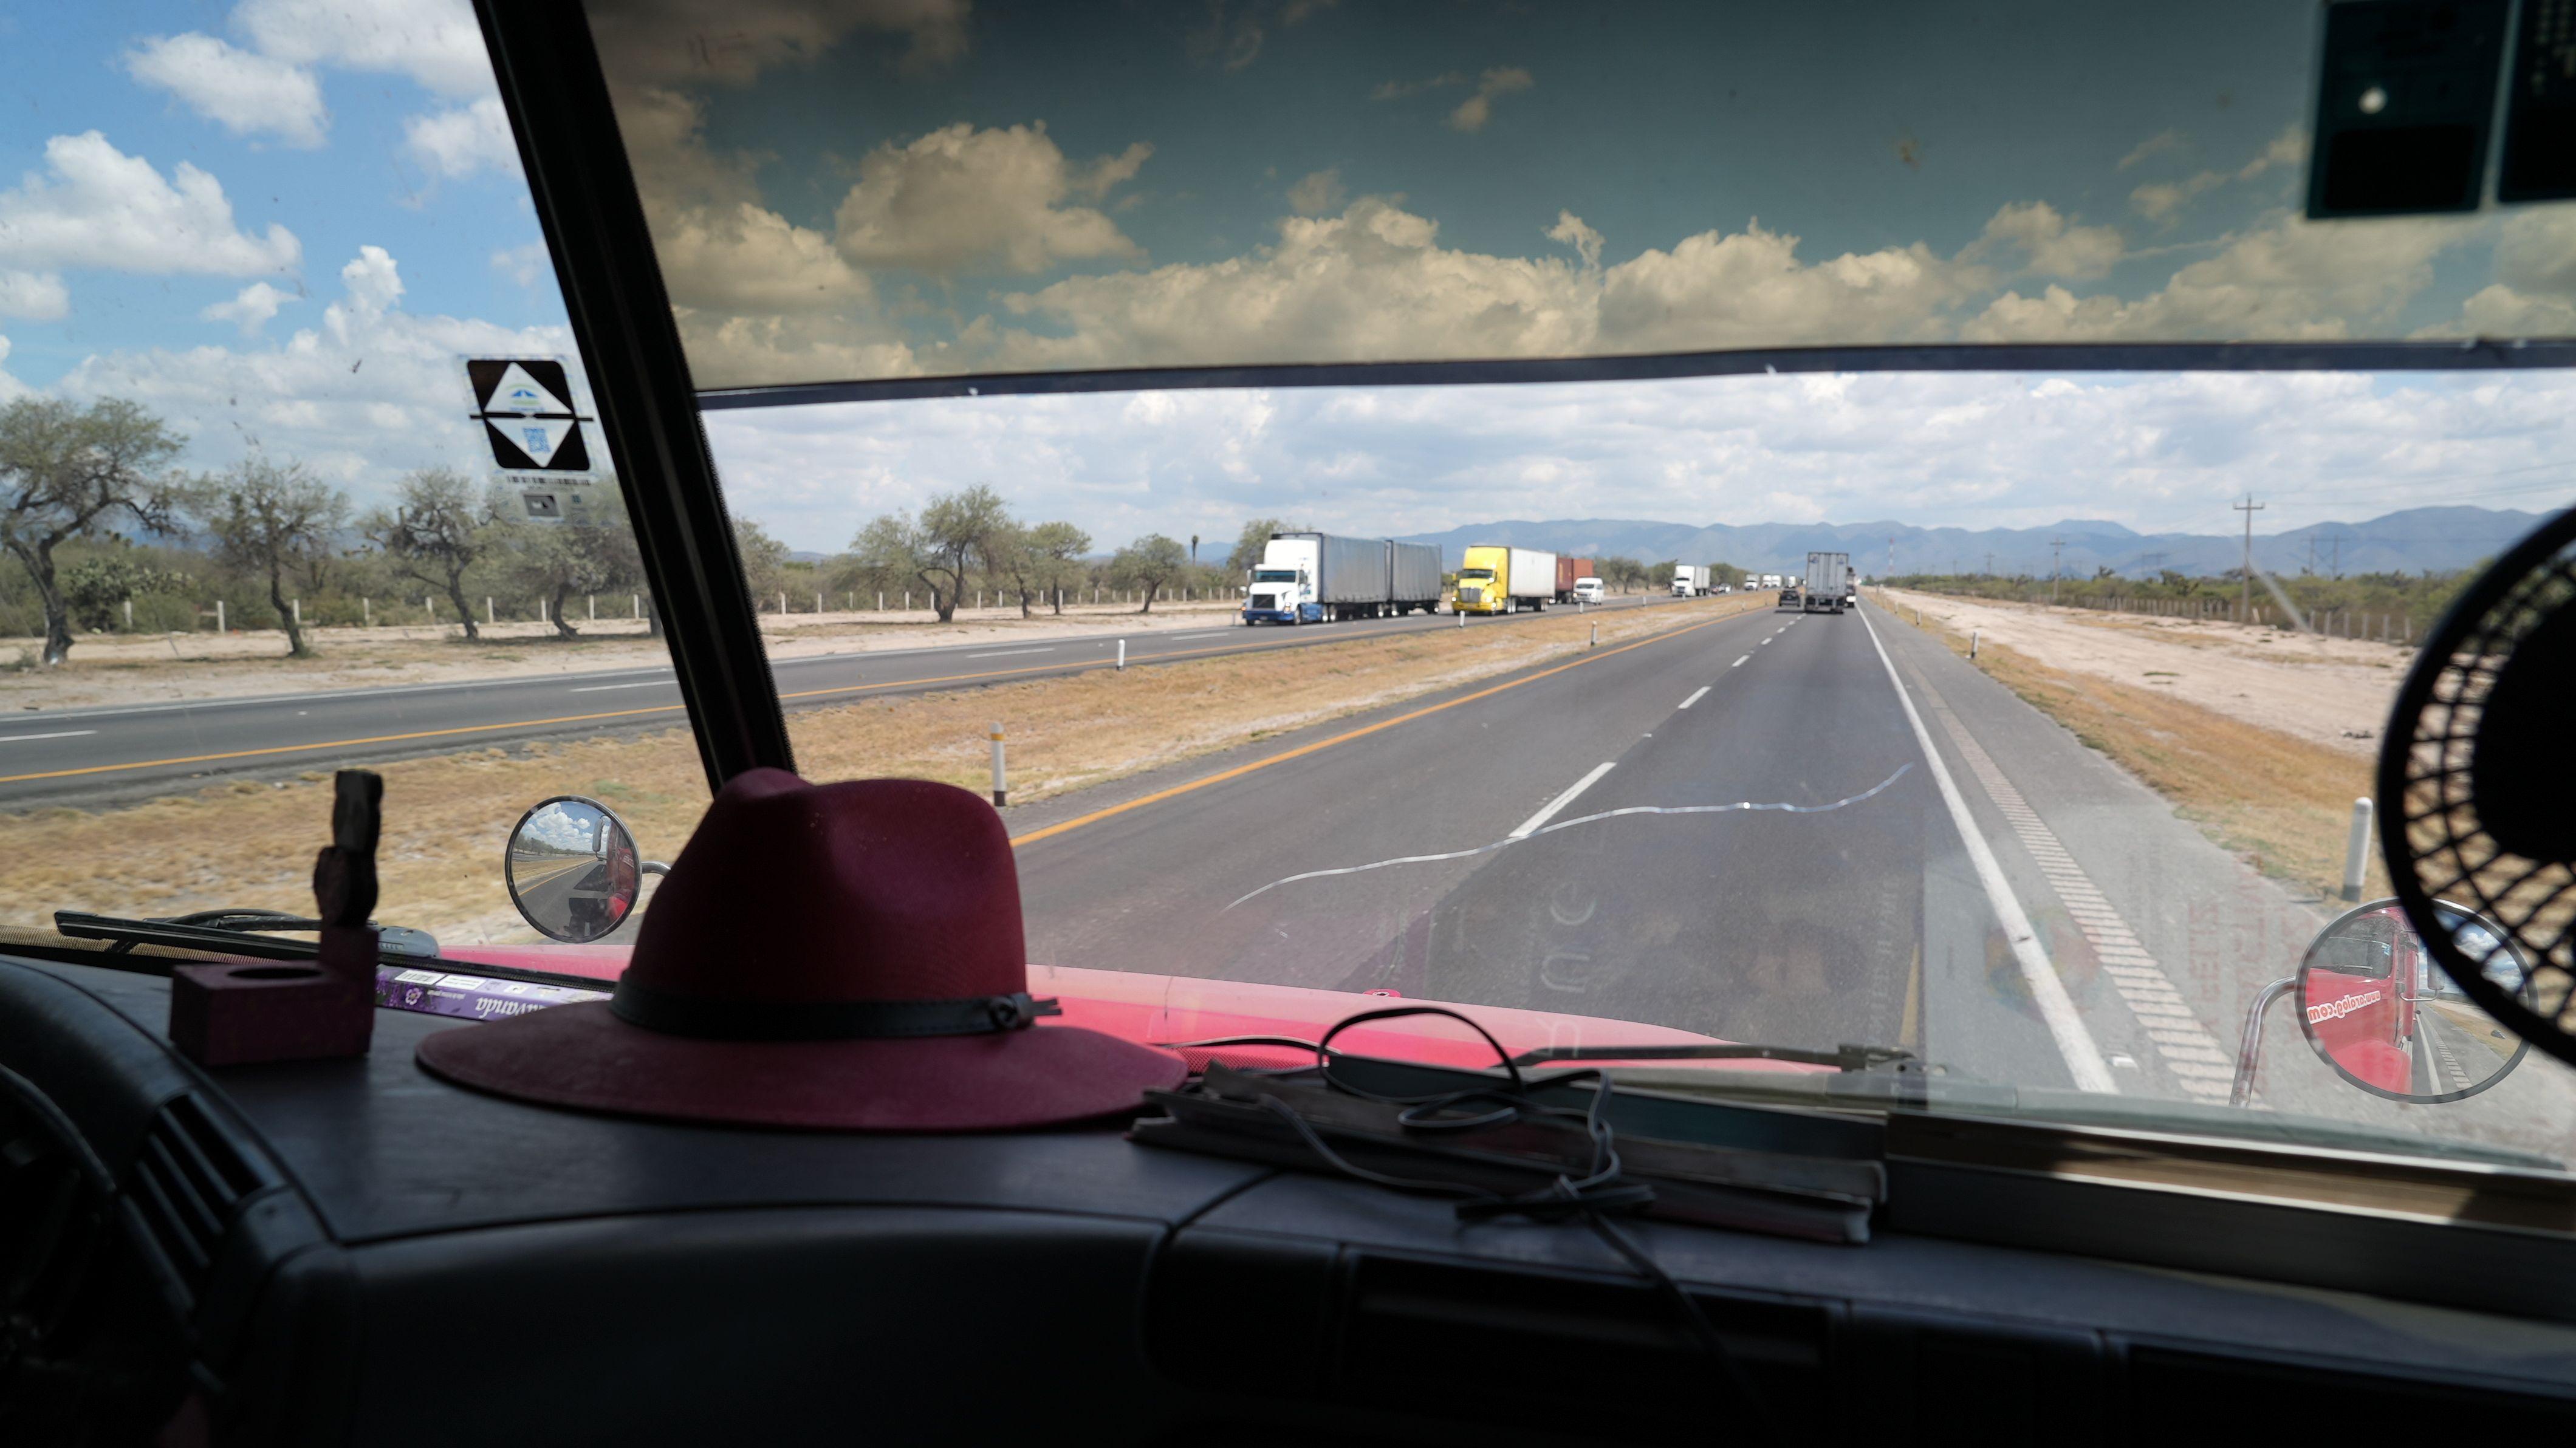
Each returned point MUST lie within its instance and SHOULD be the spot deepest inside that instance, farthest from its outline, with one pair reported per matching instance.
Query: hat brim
(585, 1057)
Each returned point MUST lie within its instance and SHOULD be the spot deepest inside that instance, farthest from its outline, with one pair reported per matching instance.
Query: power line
(2055, 547)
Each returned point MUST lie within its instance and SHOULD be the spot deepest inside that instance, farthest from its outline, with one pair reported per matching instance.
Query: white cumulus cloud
(33, 296)
(247, 93)
(463, 140)
(250, 308)
(959, 198)
(95, 206)
(435, 42)
(1503, 80)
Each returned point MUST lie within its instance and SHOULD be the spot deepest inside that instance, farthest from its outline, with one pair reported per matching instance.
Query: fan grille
(2448, 853)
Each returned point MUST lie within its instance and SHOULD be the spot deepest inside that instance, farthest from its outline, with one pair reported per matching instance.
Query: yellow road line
(341, 743)
(1303, 750)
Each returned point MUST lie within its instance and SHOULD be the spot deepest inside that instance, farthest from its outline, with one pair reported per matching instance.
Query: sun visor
(879, 194)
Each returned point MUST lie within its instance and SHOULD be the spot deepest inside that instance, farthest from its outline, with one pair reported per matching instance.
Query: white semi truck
(1690, 580)
(1318, 577)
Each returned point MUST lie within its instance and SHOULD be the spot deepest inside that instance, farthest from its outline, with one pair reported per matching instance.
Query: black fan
(2477, 793)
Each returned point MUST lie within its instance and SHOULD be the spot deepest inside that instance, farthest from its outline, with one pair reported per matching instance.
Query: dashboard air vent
(186, 1185)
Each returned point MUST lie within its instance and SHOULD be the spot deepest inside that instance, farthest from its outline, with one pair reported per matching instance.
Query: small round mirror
(2377, 1008)
(574, 870)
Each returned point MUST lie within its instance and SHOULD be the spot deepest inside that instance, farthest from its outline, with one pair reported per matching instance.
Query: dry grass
(251, 842)
(2282, 804)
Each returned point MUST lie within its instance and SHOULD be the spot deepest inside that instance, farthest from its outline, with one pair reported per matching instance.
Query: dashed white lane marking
(1006, 653)
(1560, 802)
(1695, 698)
(611, 688)
(1739, 663)
(2056, 1008)
(2187, 1048)
(80, 733)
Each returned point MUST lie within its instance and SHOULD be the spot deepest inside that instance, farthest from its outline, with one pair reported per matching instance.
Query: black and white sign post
(525, 407)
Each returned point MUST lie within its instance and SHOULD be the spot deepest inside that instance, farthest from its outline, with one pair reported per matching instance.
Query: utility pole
(2055, 547)
(1891, 555)
(1990, 563)
(2312, 556)
(2245, 596)
(2335, 565)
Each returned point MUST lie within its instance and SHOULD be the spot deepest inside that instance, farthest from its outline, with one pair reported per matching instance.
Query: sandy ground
(2334, 692)
(107, 669)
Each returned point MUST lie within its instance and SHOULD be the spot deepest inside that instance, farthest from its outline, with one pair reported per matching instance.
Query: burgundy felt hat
(837, 956)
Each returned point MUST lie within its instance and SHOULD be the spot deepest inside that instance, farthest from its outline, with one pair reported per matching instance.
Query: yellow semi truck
(1495, 579)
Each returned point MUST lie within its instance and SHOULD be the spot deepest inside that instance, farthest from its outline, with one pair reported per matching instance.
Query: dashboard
(353, 1251)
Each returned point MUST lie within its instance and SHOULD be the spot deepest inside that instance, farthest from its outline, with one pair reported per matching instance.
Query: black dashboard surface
(420, 1188)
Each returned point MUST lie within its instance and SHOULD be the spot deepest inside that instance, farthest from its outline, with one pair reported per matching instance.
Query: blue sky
(282, 222)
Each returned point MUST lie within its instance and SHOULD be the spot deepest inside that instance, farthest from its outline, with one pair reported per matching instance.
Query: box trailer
(1413, 577)
(1498, 579)
(1567, 571)
(1828, 583)
(1690, 580)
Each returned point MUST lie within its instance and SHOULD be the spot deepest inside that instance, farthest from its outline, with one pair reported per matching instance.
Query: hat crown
(871, 890)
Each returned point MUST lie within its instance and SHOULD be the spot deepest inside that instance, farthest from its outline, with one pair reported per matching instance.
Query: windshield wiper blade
(230, 932)
(1841, 1058)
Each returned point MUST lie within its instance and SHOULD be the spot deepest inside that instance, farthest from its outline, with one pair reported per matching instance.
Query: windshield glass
(867, 193)
(260, 272)
(1475, 575)
(1274, 575)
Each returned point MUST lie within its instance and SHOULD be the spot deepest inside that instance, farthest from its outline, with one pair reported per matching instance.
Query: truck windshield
(1474, 575)
(1274, 575)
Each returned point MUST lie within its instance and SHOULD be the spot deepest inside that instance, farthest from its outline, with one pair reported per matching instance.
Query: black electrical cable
(1601, 1190)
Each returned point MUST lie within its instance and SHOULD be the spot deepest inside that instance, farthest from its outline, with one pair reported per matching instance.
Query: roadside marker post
(2356, 850)
(1596, 636)
(1001, 779)
(1972, 643)
(1122, 654)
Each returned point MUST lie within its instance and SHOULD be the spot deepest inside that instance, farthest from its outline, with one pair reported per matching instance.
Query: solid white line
(1006, 653)
(1560, 802)
(2083, 1058)
(23, 738)
(1178, 638)
(606, 688)
(1739, 663)
(1695, 698)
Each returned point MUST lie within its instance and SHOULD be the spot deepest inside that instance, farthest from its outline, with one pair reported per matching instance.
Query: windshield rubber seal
(2471, 354)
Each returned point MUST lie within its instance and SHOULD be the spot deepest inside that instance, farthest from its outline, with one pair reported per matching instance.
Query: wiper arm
(1841, 1058)
(230, 932)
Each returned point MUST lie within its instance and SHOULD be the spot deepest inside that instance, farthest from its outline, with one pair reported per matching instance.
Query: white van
(1589, 590)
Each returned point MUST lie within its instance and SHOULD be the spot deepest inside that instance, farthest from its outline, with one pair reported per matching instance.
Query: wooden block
(230, 1015)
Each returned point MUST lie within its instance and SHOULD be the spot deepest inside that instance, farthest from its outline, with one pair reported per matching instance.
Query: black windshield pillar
(621, 320)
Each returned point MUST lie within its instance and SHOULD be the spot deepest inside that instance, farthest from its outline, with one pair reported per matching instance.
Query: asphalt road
(89, 754)
(1804, 830)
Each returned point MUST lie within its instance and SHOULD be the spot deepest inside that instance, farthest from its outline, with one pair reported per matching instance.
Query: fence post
(907, 600)
(541, 608)
(489, 615)
(129, 615)
(299, 613)
(2356, 850)
(219, 617)
(594, 606)
(1001, 780)
(367, 611)
(635, 601)
(880, 600)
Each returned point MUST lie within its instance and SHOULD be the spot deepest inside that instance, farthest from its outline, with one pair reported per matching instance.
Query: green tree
(1149, 563)
(556, 561)
(1249, 543)
(97, 589)
(941, 548)
(64, 472)
(1059, 548)
(270, 519)
(1624, 574)
(436, 529)
(764, 561)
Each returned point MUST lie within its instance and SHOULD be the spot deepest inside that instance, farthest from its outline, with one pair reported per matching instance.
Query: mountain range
(2442, 539)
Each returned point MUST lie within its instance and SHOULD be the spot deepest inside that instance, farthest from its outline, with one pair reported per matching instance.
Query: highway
(87, 755)
(1803, 830)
